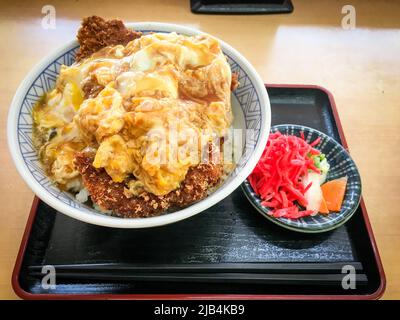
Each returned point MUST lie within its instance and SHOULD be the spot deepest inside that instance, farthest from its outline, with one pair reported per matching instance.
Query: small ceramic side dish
(341, 164)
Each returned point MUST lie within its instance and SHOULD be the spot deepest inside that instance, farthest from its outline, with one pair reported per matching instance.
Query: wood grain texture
(360, 67)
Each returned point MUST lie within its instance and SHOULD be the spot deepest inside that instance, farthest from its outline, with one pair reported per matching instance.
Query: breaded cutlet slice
(109, 195)
(96, 33)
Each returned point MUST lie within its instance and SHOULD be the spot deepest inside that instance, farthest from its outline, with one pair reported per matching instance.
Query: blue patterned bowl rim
(251, 95)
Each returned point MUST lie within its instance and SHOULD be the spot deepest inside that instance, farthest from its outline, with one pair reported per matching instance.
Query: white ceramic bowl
(251, 108)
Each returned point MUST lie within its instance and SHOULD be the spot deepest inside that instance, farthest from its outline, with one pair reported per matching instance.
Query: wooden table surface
(361, 67)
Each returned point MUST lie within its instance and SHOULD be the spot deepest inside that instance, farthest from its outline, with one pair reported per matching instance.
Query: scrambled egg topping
(163, 97)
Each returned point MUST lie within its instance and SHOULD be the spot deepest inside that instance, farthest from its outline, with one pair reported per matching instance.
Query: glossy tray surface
(229, 249)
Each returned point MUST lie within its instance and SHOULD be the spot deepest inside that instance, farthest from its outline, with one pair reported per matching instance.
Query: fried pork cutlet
(96, 33)
(234, 81)
(110, 195)
(91, 88)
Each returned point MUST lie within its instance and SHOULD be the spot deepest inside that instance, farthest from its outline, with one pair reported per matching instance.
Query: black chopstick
(261, 273)
(211, 268)
(282, 268)
(296, 279)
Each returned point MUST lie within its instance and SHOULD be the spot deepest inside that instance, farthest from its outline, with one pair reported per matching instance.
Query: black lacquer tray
(228, 251)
